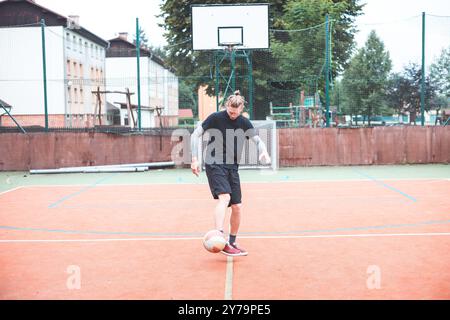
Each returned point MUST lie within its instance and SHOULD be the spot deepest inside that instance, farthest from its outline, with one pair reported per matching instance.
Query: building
(75, 66)
(159, 84)
(206, 104)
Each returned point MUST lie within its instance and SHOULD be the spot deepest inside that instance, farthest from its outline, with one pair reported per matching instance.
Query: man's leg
(220, 215)
(235, 220)
(221, 210)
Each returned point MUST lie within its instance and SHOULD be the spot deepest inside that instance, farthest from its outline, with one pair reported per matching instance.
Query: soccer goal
(267, 131)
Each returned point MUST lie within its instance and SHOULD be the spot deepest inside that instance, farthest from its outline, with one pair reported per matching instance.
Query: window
(81, 96)
(68, 40)
(92, 79)
(74, 43)
(80, 42)
(75, 73)
(75, 93)
(92, 50)
(69, 95)
(81, 71)
(68, 68)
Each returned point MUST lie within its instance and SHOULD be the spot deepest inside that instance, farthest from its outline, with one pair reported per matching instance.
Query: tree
(303, 53)
(143, 40)
(187, 98)
(405, 92)
(353, 87)
(440, 78)
(366, 81)
(398, 92)
(336, 96)
(159, 51)
(440, 73)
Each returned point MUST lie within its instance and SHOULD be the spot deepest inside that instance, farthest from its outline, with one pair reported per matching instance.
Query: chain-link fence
(66, 77)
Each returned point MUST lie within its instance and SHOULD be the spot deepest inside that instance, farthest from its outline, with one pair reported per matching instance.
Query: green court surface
(11, 180)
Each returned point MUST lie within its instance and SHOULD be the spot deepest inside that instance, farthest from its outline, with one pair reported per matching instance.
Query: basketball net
(229, 47)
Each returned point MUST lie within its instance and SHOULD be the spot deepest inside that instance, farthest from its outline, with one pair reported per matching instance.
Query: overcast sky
(397, 23)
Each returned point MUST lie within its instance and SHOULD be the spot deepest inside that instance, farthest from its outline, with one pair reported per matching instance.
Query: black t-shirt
(226, 137)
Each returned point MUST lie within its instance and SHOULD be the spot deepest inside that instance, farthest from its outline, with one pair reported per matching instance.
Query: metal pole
(216, 59)
(250, 84)
(327, 70)
(422, 91)
(138, 55)
(233, 66)
(44, 66)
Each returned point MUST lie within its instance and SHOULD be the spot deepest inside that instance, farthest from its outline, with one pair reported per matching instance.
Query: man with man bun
(227, 130)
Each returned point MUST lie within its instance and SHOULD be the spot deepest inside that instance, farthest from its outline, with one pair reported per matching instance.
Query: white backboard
(214, 26)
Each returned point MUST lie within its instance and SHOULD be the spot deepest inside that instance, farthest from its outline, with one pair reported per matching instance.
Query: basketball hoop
(212, 28)
(231, 40)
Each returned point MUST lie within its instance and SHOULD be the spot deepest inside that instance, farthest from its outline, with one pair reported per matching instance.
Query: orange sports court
(378, 232)
(341, 110)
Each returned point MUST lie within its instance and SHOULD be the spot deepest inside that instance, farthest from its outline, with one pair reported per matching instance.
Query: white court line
(229, 279)
(337, 236)
(11, 190)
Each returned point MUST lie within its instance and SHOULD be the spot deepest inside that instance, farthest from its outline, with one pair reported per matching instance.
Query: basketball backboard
(244, 26)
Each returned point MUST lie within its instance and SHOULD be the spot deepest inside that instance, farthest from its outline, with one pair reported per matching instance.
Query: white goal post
(267, 131)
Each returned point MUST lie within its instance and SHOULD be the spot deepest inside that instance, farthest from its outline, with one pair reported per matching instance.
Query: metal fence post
(138, 55)
(422, 91)
(44, 66)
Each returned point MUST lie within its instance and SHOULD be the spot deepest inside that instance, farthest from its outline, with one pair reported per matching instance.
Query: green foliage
(440, 73)
(187, 97)
(143, 40)
(337, 96)
(405, 91)
(365, 82)
(159, 51)
(303, 54)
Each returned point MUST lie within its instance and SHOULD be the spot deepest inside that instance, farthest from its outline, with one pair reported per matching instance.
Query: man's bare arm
(198, 132)
(264, 155)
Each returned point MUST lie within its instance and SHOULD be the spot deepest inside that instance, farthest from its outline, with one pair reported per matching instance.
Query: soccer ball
(214, 241)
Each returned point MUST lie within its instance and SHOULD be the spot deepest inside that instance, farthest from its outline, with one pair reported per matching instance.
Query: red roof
(185, 113)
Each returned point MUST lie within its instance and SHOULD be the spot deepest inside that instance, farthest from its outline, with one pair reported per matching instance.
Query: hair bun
(237, 93)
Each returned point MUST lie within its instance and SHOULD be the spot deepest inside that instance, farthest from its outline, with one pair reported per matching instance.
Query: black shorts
(224, 179)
